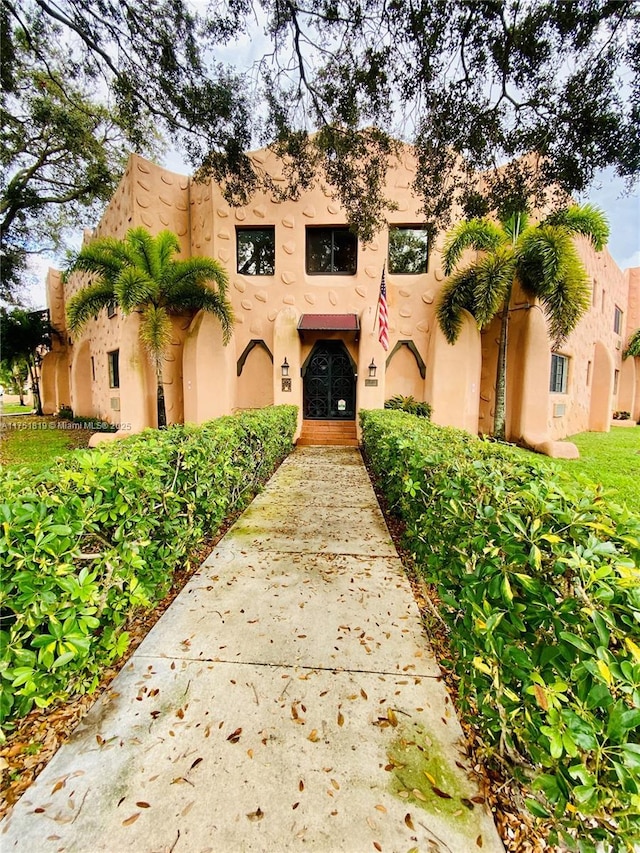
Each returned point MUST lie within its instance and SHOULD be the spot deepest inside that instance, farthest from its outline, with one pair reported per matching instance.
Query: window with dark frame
(256, 250)
(616, 380)
(617, 321)
(408, 250)
(111, 309)
(559, 373)
(331, 251)
(113, 358)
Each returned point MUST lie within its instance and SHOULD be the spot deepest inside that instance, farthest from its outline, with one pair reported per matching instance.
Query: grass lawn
(36, 442)
(610, 458)
(16, 409)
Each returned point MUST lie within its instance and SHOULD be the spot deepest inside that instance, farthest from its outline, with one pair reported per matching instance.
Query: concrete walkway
(287, 700)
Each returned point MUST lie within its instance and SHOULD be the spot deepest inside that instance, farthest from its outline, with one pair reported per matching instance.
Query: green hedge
(539, 584)
(100, 534)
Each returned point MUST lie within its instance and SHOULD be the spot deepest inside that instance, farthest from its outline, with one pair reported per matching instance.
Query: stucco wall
(202, 375)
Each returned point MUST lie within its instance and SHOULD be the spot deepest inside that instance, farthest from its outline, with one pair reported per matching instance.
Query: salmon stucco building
(305, 294)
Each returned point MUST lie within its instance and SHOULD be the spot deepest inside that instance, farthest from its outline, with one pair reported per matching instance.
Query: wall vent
(115, 404)
(559, 410)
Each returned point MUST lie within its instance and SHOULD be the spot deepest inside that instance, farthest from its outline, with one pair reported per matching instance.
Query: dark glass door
(329, 383)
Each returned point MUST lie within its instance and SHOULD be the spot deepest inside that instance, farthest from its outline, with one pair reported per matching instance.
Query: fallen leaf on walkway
(404, 794)
(335, 784)
(195, 763)
(430, 777)
(466, 802)
(363, 694)
(295, 806)
(301, 785)
(440, 793)
(340, 719)
(234, 737)
(478, 799)
(313, 736)
(128, 821)
(180, 714)
(250, 753)
(479, 841)
(419, 795)
(258, 814)
(391, 716)
(377, 846)
(381, 808)
(409, 822)
(143, 805)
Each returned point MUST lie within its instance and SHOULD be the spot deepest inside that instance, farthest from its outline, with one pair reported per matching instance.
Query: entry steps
(338, 433)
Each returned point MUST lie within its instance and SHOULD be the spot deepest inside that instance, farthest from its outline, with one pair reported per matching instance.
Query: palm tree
(541, 258)
(140, 274)
(633, 346)
(25, 336)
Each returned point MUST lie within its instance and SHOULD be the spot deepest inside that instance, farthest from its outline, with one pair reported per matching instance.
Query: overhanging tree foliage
(473, 85)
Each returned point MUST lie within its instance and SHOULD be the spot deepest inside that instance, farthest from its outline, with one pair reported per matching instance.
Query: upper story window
(114, 368)
(559, 373)
(408, 249)
(111, 309)
(332, 251)
(256, 250)
(617, 321)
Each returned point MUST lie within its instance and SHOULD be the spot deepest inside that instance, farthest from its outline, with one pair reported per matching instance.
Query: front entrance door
(329, 383)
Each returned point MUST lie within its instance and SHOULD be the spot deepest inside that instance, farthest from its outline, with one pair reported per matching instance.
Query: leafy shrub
(539, 585)
(621, 416)
(100, 533)
(410, 405)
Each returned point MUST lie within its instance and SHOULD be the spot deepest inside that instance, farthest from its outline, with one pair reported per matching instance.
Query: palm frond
(167, 245)
(479, 234)
(456, 295)
(155, 331)
(204, 271)
(515, 225)
(104, 258)
(585, 219)
(541, 257)
(86, 304)
(144, 251)
(135, 288)
(633, 346)
(494, 278)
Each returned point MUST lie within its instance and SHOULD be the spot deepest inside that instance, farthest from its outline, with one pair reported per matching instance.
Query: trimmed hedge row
(100, 533)
(539, 583)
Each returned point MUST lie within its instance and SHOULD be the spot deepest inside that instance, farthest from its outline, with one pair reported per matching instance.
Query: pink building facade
(305, 294)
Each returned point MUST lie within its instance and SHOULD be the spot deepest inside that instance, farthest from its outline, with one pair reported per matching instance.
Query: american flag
(383, 321)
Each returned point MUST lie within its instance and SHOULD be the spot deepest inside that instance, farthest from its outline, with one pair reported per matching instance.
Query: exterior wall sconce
(286, 379)
(372, 381)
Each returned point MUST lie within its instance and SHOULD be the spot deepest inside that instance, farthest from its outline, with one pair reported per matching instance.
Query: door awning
(329, 323)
